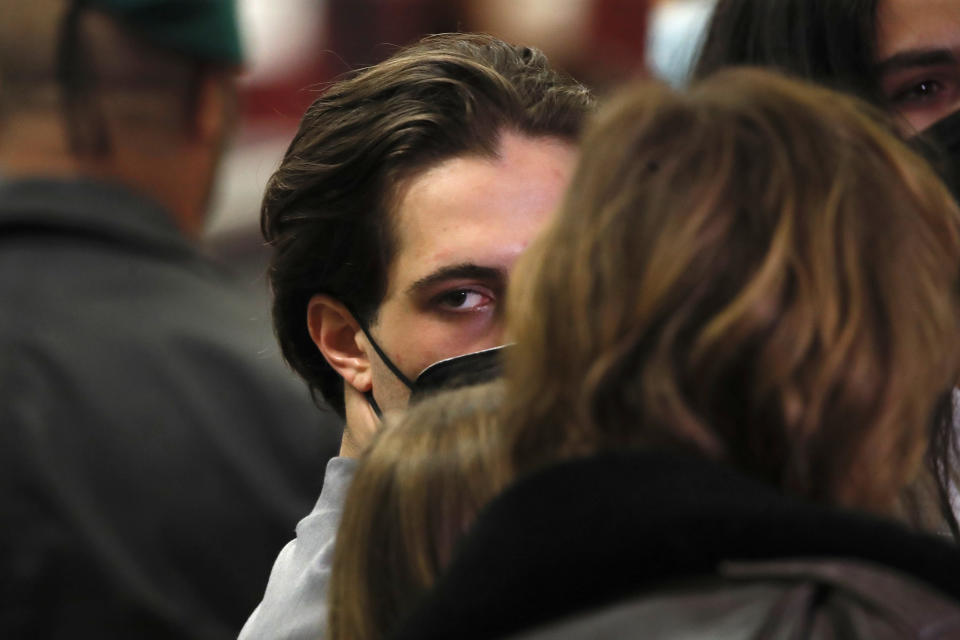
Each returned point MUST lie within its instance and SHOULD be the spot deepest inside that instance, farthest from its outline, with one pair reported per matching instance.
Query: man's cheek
(417, 340)
(468, 334)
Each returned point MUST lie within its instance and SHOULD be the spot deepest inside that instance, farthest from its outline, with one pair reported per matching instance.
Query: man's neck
(361, 423)
(35, 145)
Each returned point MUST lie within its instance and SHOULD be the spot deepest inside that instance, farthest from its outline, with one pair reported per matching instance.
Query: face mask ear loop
(386, 360)
(373, 404)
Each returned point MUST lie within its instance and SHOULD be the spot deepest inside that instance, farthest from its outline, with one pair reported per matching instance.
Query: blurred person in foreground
(152, 457)
(902, 56)
(416, 490)
(395, 219)
(731, 348)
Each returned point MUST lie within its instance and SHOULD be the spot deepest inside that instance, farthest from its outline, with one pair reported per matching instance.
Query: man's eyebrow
(916, 58)
(457, 271)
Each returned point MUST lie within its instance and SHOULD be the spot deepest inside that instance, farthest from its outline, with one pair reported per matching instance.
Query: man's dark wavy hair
(325, 212)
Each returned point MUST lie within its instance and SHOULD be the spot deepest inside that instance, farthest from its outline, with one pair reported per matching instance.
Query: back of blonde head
(756, 270)
(415, 492)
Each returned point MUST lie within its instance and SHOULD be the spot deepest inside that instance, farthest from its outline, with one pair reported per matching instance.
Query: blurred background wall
(295, 47)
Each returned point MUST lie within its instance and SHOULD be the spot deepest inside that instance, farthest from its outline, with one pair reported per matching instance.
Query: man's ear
(337, 334)
(213, 108)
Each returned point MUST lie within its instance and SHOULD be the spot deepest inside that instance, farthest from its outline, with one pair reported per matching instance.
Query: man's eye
(462, 300)
(918, 92)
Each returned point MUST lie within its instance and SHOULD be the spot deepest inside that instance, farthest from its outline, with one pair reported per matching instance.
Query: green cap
(205, 29)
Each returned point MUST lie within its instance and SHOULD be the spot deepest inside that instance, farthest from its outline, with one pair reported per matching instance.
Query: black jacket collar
(82, 208)
(587, 532)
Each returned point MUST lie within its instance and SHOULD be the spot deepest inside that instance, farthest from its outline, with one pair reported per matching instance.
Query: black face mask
(940, 144)
(450, 373)
(461, 371)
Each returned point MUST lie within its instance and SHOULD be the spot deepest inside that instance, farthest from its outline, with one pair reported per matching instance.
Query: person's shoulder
(824, 598)
(99, 331)
(294, 604)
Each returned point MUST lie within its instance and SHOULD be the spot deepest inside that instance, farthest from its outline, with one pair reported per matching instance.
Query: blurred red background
(296, 47)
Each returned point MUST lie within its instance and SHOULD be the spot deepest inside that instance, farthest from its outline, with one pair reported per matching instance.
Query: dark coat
(155, 454)
(642, 545)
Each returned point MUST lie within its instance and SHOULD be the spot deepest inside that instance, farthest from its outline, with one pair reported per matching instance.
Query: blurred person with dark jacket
(731, 348)
(153, 455)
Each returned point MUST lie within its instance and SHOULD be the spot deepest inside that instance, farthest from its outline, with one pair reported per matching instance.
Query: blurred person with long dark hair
(898, 54)
(152, 456)
(901, 55)
(733, 347)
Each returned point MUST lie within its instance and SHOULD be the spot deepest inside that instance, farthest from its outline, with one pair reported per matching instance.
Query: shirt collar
(92, 207)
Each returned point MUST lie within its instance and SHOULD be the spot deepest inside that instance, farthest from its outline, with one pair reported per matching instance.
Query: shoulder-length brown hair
(415, 492)
(756, 270)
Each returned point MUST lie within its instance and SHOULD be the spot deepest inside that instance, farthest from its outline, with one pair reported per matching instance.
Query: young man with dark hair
(395, 219)
(152, 455)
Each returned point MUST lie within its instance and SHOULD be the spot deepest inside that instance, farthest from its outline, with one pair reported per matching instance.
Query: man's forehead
(479, 210)
(917, 25)
(460, 247)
